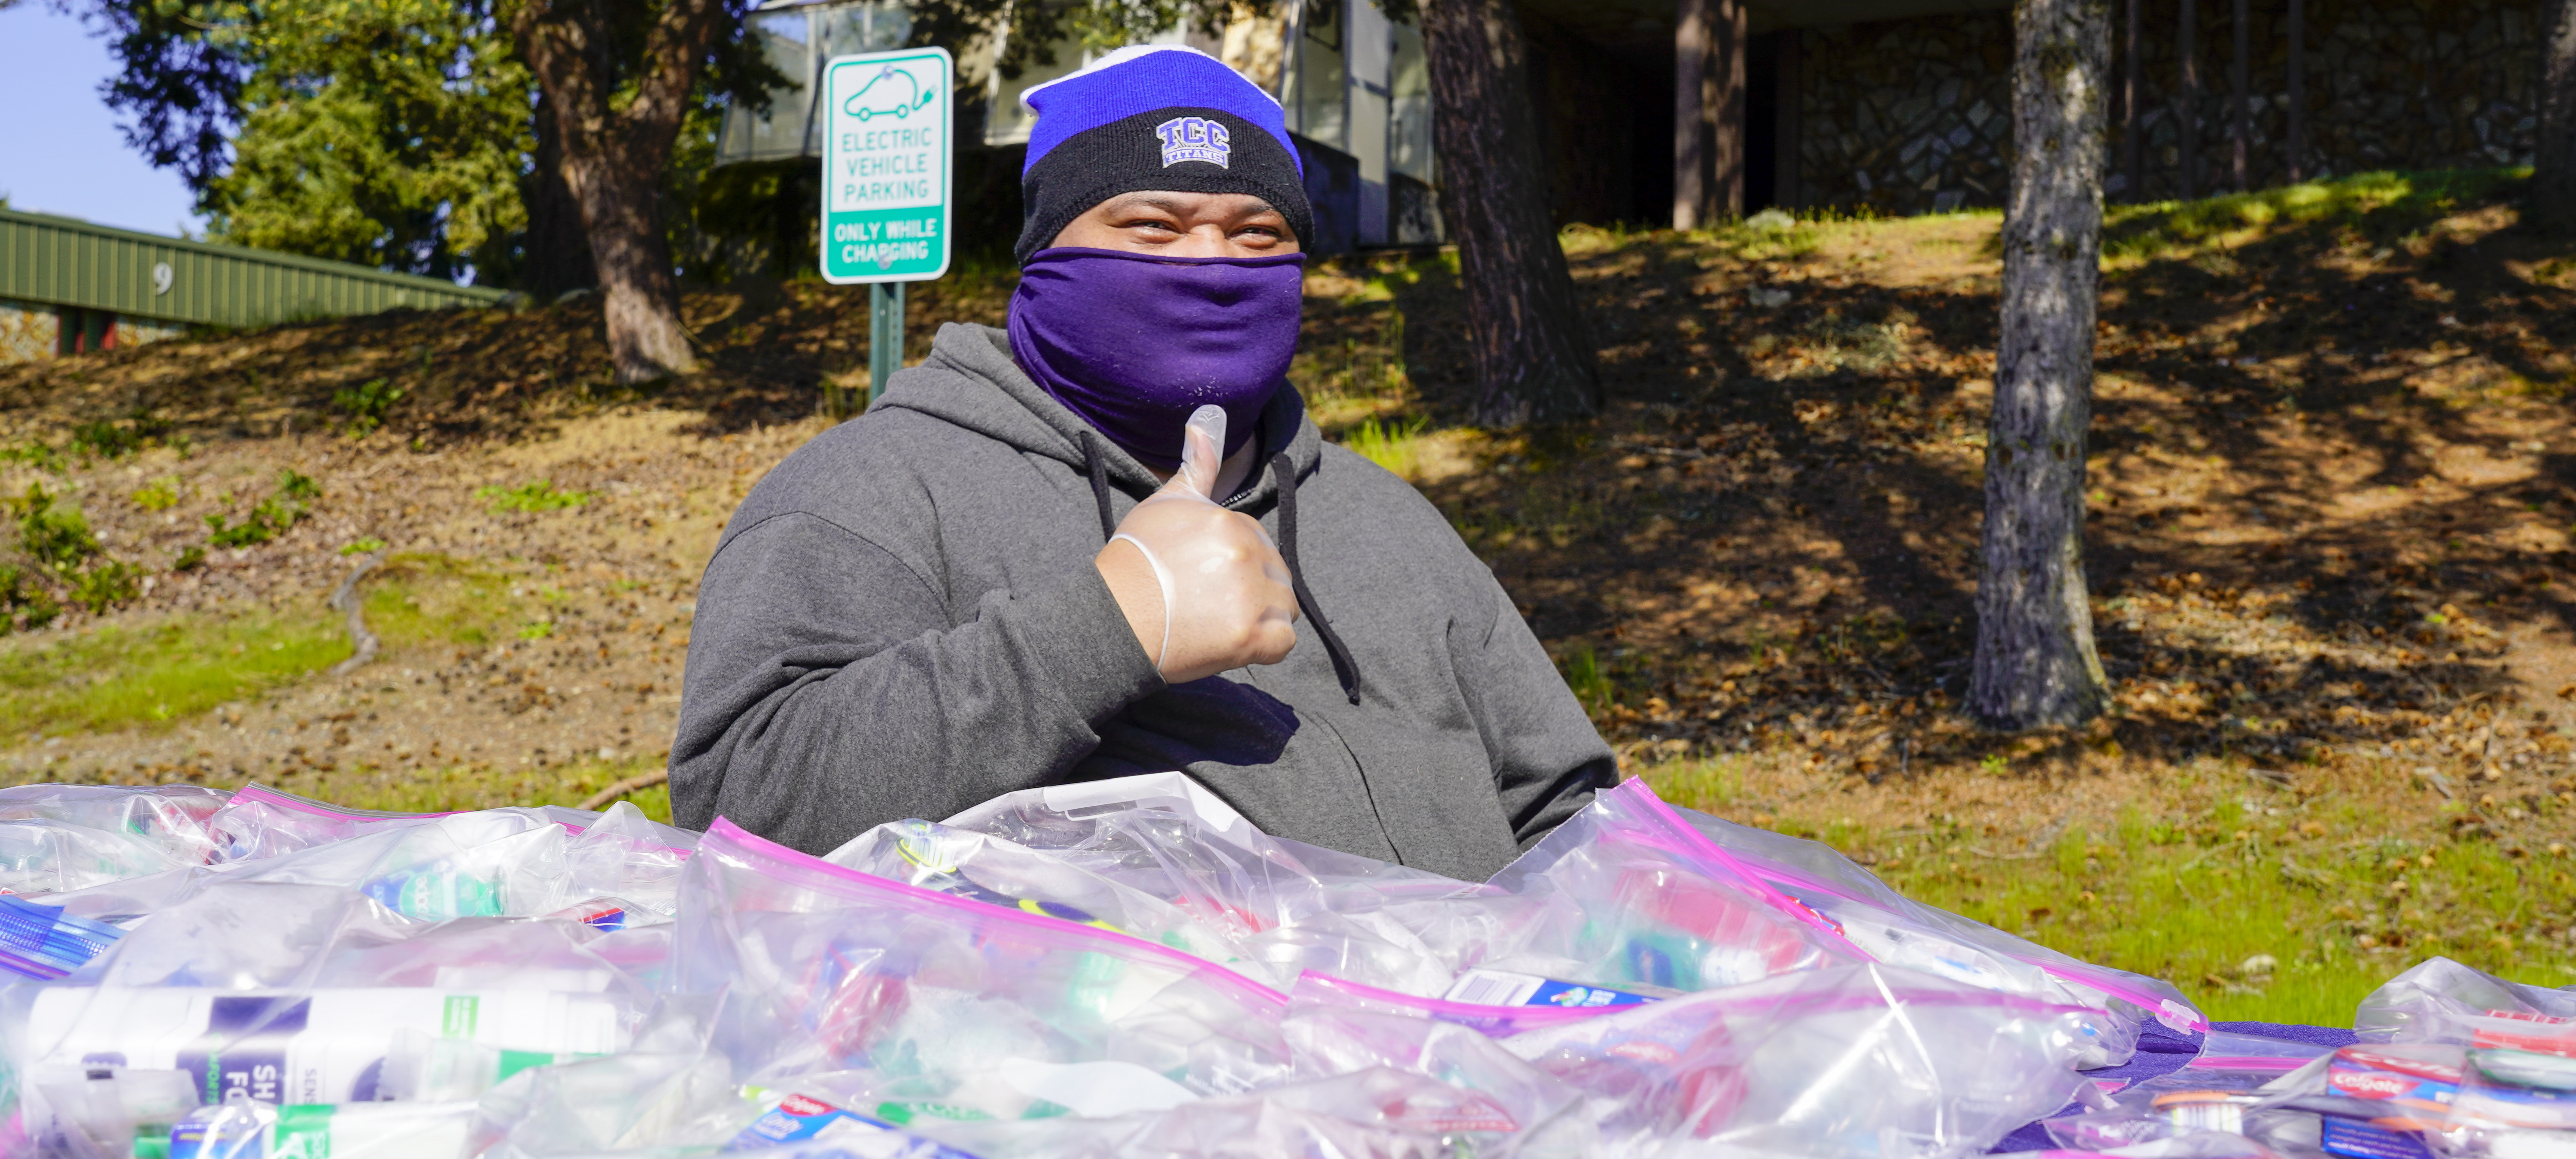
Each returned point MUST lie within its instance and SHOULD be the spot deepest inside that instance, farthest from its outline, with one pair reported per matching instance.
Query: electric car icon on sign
(865, 106)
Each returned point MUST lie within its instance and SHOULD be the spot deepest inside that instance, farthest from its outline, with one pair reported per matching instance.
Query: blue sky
(60, 149)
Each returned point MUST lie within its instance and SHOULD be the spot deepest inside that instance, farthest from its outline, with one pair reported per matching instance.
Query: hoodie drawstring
(1285, 473)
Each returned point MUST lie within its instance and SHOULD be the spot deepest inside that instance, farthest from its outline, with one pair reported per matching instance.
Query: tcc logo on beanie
(1194, 139)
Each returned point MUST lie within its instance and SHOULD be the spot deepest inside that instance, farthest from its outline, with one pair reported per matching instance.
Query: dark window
(79, 331)
(1324, 23)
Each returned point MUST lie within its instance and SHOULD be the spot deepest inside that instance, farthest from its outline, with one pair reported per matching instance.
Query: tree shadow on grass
(1773, 530)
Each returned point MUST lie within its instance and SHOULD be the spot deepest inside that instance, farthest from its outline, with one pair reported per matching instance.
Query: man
(1009, 573)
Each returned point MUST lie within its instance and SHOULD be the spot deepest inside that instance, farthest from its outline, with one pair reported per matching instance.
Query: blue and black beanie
(1154, 117)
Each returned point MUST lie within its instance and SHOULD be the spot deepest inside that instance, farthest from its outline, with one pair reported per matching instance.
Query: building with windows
(70, 287)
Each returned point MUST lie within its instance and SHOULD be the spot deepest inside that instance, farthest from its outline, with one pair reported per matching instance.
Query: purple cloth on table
(2161, 1051)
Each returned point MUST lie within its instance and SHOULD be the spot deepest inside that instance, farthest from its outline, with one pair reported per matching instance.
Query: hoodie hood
(1017, 412)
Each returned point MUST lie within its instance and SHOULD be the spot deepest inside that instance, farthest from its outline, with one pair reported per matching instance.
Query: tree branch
(346, 599)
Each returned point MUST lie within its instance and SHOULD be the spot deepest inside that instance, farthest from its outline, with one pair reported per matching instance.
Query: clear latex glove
(1203, 588)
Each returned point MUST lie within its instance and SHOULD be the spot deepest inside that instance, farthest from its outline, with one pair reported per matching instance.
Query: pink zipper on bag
(730, 842)
(2152, 1004)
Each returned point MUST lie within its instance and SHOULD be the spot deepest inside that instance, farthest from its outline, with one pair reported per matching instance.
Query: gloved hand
(1203, 588)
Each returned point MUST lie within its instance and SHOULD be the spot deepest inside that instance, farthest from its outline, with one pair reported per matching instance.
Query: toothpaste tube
(1506, 988)
(2414, 1084)
(2403, 1090)
(2517, 1090)
(324, 1046)
(2522, 1030)
(800, 1119)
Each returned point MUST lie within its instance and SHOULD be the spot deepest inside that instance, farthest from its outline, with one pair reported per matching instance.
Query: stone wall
(1915, 115)
(27, 332)
(1906, 116)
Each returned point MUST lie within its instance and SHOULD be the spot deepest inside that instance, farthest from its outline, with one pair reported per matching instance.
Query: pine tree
(2035, 661)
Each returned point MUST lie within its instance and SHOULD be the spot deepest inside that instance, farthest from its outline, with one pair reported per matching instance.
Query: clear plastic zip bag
(620, 869)
(1865, 1062)
(2440, 1000)
(1292, 906)
(1334, 1029)
(1825, 892)
(2513, 1104)
(2234, 1086)
(996, 871)
(957, 1007)
(64, 837)
(1625, 895)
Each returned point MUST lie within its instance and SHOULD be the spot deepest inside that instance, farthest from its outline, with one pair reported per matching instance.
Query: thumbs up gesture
(1203, 588)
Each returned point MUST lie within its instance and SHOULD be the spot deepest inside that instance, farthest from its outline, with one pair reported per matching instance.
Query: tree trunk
(2240, 127)
(2187, 105)
(2297, 113)
(2552, 201)
(1728, 71)
(1690, 123)
(621, 204)
(2035, 662)
(1532, 359)
(556, 253)
(2132, 130)
(613, 157)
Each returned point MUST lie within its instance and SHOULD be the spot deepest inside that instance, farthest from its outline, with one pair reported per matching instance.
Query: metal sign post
(886, 187)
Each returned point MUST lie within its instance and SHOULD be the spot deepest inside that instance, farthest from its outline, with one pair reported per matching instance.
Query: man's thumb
(1202, 452)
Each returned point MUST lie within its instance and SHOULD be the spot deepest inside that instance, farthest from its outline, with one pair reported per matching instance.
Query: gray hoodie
(902, 620)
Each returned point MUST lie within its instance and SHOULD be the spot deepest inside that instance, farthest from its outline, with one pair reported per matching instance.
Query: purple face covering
(1134, 342)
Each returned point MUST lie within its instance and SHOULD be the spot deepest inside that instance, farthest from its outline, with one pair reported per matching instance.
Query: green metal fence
(60, 261)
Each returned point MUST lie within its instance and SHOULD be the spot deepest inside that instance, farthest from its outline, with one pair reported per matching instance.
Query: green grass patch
(421, 598)
(154, 672)
(365, 405)
(159, 495)
(2384, 204)
(150, 673)
(290, 504)
(2194, 901)
(1591, 681)
(1394, 445)
(531, 497)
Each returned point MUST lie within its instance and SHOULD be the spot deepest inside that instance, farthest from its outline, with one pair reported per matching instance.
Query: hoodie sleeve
(1548, 759)
(827, 690)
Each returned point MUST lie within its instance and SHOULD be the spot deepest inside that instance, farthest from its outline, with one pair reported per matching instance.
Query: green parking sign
(885, 165)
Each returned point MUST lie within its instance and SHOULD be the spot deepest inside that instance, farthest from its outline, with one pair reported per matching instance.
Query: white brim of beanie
(1122, 56)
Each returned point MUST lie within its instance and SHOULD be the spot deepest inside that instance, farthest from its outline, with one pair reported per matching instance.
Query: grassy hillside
(2330, 474)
